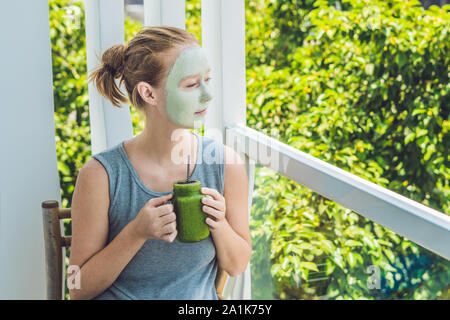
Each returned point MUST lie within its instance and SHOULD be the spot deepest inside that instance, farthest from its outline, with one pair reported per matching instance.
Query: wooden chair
(55, 242)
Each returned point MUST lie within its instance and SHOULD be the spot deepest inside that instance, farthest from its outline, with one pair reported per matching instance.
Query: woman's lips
(202, 112)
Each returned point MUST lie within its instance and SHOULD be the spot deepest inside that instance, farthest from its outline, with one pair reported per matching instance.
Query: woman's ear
(147, 92)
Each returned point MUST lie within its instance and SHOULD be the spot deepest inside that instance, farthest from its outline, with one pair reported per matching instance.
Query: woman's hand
(156, 220)
(214, 206)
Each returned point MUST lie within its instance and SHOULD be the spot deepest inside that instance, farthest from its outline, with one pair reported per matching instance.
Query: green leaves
(309, 266)
(401, 59)
(363, 87)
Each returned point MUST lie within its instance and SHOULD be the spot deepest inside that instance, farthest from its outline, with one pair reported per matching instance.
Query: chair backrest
(54, 243)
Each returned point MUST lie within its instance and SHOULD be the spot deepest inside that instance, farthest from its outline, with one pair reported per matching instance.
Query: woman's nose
(206, 95)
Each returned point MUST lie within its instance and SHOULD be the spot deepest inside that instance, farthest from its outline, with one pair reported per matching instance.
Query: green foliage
(367, 90)
(193, 24)
(70, 94)
(307, 247)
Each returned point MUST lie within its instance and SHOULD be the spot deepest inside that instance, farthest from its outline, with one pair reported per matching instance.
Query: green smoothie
(191, 225)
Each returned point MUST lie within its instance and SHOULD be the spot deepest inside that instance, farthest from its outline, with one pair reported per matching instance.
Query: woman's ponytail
(111, 68)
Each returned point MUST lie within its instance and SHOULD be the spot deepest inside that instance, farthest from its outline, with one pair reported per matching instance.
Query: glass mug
(187, 203)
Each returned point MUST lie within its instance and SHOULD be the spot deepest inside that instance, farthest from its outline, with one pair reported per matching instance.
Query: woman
(123, 224)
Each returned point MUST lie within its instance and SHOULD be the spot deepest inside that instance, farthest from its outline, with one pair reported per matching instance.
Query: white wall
(28, 167)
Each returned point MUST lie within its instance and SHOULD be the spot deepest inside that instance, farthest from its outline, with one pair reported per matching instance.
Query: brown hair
(141, 59)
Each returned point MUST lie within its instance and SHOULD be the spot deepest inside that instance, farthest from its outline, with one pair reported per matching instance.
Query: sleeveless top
(161, 270)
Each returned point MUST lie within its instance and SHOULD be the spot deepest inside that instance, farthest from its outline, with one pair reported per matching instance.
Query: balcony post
(165, 13)
(104, 28)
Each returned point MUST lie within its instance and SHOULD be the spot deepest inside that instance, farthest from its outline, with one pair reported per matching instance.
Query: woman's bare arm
(99, 265)
(232, 235)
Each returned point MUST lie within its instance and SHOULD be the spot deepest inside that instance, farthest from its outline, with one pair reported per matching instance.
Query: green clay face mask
(194, 94)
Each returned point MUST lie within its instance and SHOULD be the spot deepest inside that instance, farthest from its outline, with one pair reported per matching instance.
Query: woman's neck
(163, 145)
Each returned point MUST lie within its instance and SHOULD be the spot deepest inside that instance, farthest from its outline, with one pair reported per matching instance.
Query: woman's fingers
(170, 236)
(168, 218)
(216, 214)
(214, 206)
(213, 224)
(164, 209)
(212, 192)
(169, 228)
(219, 205)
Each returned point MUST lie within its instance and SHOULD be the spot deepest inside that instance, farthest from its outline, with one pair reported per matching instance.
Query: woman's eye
(194, 84)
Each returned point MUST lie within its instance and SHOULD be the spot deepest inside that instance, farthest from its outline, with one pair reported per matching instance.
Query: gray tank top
(161, 270)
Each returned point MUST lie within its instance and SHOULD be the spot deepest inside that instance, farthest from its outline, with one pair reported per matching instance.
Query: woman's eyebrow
(194, 75)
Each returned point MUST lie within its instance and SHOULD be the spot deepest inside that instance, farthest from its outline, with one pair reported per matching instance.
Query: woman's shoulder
(212, 149)
(211, 140)
(227, 153)
(110, 158)
(109, 151)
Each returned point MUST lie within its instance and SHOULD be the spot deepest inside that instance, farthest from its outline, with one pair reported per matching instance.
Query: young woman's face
(187, 88)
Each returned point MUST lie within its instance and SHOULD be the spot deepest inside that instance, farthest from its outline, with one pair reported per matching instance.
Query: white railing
(421, 224)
